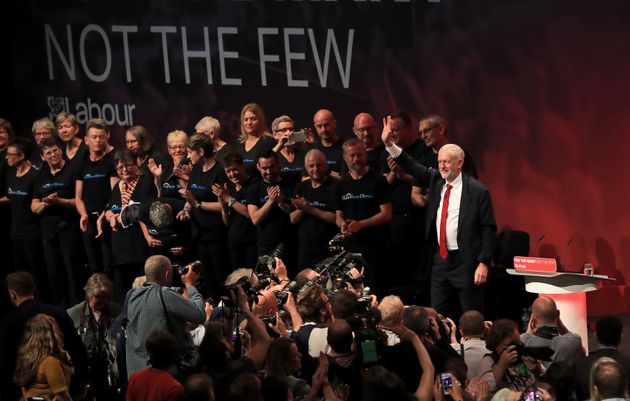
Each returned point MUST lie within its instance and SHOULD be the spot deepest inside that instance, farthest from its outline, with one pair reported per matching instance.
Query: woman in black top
(241, 237)
(291, 160)
(74, 148)
(54, 201)
(26, 240)
(141, 143)
(204, 211)
(255, 138)
(173, 175)
(129, 247)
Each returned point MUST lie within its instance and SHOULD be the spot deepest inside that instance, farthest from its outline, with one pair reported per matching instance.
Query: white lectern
(569, 291)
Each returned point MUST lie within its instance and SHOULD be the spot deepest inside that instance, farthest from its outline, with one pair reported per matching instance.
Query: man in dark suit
(460, 226)
(608, 333)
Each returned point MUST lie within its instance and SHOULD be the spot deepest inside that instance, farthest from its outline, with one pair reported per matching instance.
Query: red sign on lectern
(532, 264)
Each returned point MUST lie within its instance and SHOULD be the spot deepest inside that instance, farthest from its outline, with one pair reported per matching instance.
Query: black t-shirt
(401, 191)
(96, 177)
(24, 224)
(224, 151)
(276, 226)
(170, 182)
(176, 234)
(62, 184)
(251, 158)
(158, 157)
(314, 233)
(128, 244)
(334, 155)
(374, 157)
(361, 199)
(291, 172)
(200, 183)
(36, 159)
(241, 229)
(79, 156)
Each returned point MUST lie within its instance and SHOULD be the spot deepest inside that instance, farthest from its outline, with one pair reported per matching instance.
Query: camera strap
(547, 332)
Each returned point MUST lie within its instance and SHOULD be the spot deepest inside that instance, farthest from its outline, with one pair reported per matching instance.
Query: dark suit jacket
(583, 369)
(476, 230)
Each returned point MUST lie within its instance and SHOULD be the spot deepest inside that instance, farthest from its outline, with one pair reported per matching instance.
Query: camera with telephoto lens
(337, 268)
(540, 353)
(266, 260)
(283, 295)
(195, 266)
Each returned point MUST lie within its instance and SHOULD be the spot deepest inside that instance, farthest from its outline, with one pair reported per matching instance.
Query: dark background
(537, 92)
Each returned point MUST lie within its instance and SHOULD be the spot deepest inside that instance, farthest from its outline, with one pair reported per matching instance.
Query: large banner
(536, 91)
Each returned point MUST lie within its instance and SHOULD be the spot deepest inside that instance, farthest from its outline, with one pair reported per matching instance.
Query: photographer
(152, 307)
(504, 367)
(546, 329)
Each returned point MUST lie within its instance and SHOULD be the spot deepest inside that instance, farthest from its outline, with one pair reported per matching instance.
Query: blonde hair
(392, 309)
(175, 136)
(262, 119)
(42, 338)
(44, 123)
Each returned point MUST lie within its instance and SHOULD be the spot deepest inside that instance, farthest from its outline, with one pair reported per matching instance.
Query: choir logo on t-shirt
(16, 192)
(53, 185)
(168, 185)
(319, 204)
(93, 176)
(197, 186)
(350, 196)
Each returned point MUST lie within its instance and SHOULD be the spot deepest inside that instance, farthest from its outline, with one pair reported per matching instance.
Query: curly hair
(310, 304)
(42, 338)
(501, 329)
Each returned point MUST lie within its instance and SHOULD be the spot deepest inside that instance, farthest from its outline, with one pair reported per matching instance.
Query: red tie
(443, 250)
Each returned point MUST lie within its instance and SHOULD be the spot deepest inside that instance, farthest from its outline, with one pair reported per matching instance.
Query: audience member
(156, 383)
(43, 367)
(21, 288)
(92, 319)
(608, 380)
(152, 307)
(472, 346)
(608, 331)
(547, 330)
(199, 387)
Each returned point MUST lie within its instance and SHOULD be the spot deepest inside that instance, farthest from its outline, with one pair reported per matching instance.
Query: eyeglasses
(13, 154)
(427, 130)
(131, 141)
(285, 129)
(178, 147)
(126, 166)
(363, 129)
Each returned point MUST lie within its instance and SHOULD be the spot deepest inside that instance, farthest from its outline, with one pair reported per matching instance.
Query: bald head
(326, 127)
(157, 268)
(544, 310)
(365, 130)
